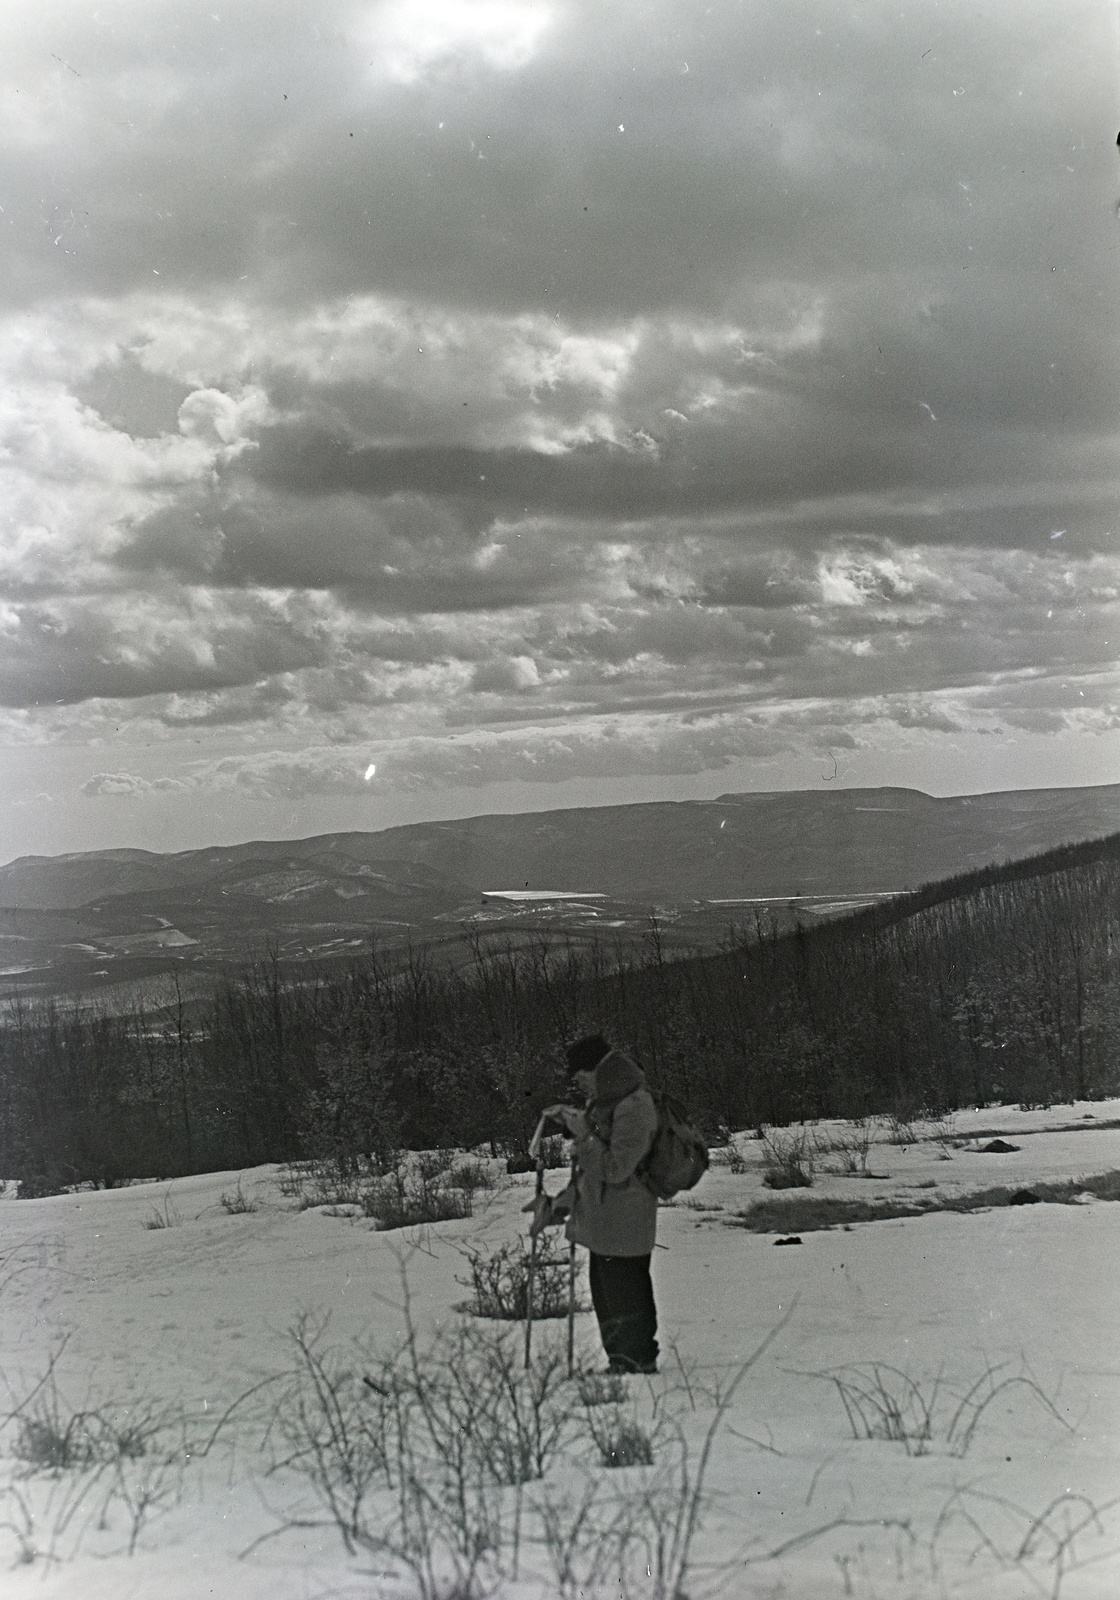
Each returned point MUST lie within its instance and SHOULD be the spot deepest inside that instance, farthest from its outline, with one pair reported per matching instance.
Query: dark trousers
(622, 1294)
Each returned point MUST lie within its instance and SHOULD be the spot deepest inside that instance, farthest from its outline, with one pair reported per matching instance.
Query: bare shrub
(729, 1155)
(434, 1165)
(90, 1463)
(600, 1388)
(52, 1445)
(336, 1425)
(292, 1178)
(471, 1175)
(238, 1203)
(943, 1127)
(166, 1216)
(415, 1191)
(38, 1185)
(411, 1457)
(393, 1205)
(395, 1189)
(320, 1183)
(901, 1128)
(50, 1438)
(883, 1402)
(1014, 1536)
(518, 1416)
(499, 1283)
(20, 1522)
(585, 1536)
(146, 1484)
(420, 1457)
(14, 1262)
(50, 1435)
(966, 1418)
(787, 1160)
(853, 1147)
(48, 1527)
(620, 1438)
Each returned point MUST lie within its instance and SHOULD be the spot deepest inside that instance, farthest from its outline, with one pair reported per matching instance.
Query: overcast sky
(428, 407)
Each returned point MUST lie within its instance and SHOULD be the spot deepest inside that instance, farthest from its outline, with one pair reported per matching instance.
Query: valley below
(666, 878)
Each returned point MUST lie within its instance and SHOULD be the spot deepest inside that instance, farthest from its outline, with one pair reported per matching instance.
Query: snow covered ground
(184, 1319)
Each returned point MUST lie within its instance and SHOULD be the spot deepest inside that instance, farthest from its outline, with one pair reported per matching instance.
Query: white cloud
(839, 586)
(516, 673)
(648, 743)
(853, 578)
(394, 370)
(415, 39)
(126, 786)
(223, 420)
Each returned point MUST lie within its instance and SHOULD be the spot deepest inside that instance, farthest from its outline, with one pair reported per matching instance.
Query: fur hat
(585, 1054)
(616, 1076)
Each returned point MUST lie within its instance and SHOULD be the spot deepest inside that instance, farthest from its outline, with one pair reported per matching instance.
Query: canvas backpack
(678, 1156)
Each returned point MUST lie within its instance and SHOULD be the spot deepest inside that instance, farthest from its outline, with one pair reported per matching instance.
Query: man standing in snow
(608, 1208)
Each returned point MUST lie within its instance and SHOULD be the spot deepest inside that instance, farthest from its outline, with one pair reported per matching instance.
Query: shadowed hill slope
(827, 841)
(108, 920)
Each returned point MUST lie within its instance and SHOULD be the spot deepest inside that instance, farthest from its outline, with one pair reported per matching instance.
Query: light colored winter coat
(612, 1212)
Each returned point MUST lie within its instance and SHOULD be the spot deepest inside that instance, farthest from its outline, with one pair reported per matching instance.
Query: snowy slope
(196, 1313)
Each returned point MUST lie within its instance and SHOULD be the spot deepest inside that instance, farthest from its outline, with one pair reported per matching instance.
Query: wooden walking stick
(536, 1148)
(571, 1308)
(572, 1290)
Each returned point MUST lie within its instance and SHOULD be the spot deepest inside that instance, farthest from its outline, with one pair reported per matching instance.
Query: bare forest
(997, 986)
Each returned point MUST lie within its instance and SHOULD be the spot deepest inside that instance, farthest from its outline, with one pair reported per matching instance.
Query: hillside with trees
(1000, 985)
(119, 920)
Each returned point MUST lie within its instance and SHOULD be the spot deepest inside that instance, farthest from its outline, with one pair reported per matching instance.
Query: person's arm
(632, 1131)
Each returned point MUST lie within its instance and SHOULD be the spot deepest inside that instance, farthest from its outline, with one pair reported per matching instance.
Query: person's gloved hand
(541, 1207)
(574, 1121)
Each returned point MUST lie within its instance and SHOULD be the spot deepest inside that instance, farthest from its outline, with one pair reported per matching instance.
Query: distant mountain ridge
(771, 844)
(107, 917)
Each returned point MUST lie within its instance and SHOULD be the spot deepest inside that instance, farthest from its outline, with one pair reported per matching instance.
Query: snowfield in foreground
(885, 1326)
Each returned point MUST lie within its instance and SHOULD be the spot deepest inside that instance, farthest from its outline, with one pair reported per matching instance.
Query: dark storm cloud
(811, 133)
(402, 554)
(685, 477)
(762, 460)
